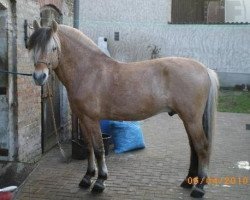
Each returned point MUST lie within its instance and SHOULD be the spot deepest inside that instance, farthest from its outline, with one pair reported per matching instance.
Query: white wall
(237, 11)
(154, 11)
(225, 48)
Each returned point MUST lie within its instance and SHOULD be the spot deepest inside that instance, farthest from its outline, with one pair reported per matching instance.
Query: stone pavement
(155, 172)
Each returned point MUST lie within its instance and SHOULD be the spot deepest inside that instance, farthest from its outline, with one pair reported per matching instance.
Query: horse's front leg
(100, 158)
(86, 181)
(93, 129)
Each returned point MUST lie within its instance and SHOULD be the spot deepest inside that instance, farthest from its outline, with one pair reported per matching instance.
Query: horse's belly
(137, 111)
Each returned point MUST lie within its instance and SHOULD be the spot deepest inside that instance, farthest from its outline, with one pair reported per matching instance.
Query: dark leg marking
(99, 185)
(193, 169)
(86, 181)
(198, 191)
(171, 113)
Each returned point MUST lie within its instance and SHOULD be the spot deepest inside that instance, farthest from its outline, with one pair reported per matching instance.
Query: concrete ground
(156, 171)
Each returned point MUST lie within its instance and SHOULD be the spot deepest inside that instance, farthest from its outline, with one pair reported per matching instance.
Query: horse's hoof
(98, 186)
(197, 192)
(85, 182)
(186, 185)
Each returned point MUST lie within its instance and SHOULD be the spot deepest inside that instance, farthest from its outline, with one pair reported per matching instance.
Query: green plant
(234, 101)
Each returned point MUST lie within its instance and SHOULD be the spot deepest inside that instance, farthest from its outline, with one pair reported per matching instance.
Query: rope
(52, 110)
(54, 122)
(15, 73)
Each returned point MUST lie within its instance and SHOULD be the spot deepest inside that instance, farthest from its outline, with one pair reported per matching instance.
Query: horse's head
(46, 46)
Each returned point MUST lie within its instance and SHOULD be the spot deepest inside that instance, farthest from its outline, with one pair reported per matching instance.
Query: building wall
(29, 95)
(24, 98)
(11, 98)
(126, 11)
(237, 11)
(4, 106)
(224, 48)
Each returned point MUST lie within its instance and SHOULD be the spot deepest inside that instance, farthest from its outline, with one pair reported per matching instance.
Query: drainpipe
(13, 101)
(76, 14)
(74, 119)
(76, 25)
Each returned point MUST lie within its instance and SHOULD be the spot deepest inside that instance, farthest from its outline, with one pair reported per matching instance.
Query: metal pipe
(74, 119)
(76, 14)
(26, 33)
(13, 101)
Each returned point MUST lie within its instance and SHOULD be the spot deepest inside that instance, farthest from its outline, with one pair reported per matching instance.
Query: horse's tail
(211, 107)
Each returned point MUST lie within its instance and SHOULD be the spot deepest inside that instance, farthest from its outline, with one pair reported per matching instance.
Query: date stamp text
(228, 180)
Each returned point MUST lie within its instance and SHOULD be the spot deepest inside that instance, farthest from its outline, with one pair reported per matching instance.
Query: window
(214, 11)
(198, 11)
(48, 13)
(117, 36)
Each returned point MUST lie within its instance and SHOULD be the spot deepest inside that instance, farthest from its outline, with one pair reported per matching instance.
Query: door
(48, 132)
(4, 107)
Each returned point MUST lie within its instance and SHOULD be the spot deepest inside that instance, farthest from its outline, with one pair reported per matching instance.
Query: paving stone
(154, 172)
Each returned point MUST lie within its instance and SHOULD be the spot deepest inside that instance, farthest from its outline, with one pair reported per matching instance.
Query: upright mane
(78, 36)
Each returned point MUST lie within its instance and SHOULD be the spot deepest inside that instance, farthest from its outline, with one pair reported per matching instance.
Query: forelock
(40, 38)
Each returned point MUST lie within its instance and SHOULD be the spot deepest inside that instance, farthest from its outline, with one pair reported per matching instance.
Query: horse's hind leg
(201, 147)
(193, 168)
(86, 181)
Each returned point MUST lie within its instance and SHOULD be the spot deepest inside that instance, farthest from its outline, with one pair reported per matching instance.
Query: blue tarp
(126, 135)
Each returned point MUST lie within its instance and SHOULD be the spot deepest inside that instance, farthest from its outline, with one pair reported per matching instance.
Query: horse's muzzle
(40, 78)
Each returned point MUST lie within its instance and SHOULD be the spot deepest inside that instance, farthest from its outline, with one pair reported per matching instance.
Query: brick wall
(56, 3)
(29, 107)
(29, 95)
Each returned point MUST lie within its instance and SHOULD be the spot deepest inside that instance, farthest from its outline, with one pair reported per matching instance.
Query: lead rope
(54, 124)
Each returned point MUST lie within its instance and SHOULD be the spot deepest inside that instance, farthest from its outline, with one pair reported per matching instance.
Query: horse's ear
(36, 25)
(54, 26)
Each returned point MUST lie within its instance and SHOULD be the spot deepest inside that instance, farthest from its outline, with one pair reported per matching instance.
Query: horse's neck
(77, 58)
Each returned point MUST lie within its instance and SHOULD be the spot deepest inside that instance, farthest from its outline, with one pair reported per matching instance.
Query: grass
(234, 101)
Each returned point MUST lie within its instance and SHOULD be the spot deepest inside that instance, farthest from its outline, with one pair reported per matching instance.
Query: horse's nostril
(34, 76)
(44, 75)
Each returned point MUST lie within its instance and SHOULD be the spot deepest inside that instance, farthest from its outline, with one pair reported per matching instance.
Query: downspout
(13, 101)
(76, 25)
(76, 14)
(74, 119)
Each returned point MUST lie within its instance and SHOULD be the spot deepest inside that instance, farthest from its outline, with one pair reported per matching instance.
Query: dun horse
(99, 87)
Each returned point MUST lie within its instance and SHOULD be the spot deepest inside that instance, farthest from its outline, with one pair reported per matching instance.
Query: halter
(43, 62)
(48, 64)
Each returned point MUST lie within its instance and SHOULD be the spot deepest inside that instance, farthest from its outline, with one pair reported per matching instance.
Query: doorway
(4, 107)
(48, 13)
